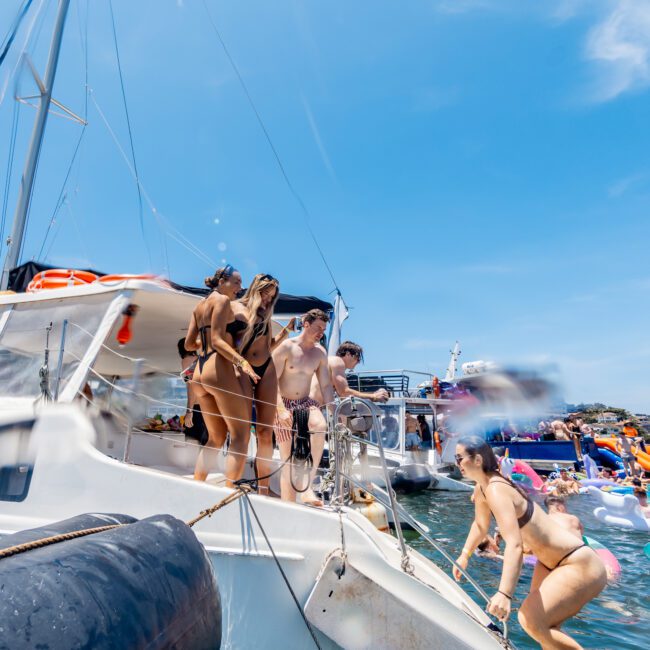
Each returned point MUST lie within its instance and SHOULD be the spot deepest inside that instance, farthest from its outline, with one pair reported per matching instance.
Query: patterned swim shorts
(282, 434)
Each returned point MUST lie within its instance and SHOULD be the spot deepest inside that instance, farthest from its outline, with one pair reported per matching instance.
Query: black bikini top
(530, 505)
(235, 327)
(259, 329)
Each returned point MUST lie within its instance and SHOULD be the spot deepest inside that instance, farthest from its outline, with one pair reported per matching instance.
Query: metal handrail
(396, 508)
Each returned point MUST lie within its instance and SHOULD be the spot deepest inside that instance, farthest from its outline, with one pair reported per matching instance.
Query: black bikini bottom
(260, 370)
(203, 358)
(577, 548)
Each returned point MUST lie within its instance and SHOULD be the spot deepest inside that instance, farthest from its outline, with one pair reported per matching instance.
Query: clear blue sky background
(475, 169)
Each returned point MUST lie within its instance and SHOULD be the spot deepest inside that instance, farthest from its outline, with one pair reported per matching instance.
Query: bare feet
(310, 499)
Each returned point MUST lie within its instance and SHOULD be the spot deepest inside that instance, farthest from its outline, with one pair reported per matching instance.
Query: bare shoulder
(336, 363)
(320, 351)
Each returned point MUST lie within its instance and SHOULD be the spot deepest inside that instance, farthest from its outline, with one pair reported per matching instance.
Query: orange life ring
(123, 277)
(60, 279)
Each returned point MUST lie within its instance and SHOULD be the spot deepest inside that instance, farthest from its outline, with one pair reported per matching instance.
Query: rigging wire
(62, 195)
(10, 165)
(13, 30)
(135, 166)
(163, 223)
(305, 212)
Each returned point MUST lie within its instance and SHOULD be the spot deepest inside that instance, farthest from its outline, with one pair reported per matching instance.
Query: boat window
(23, 341)
(16, 462)
(390, 426)
(157, 397)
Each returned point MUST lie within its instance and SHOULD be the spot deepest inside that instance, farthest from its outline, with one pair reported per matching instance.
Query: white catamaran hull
(68, 475)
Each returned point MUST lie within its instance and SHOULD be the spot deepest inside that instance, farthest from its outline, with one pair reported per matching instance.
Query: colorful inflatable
(619, 510)
(598, 482)
(610, 443)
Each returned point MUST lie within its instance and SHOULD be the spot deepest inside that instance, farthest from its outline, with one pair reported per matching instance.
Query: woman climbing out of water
(255, 345)
(568, 573)
(213, 329)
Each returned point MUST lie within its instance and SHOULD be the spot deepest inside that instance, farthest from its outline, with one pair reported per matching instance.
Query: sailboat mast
(27, 182)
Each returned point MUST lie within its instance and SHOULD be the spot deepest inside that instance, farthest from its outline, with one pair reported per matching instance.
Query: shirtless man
(560, 429)
(565, 484)
(556, 507)
(347, 357)
(297, 361)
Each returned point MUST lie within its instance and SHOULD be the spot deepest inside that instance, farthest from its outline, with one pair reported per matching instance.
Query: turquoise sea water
(618, 619)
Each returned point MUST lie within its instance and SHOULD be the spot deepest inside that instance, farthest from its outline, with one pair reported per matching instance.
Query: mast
(27, 182)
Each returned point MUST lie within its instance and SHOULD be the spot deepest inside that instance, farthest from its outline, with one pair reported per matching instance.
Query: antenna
(450, 375)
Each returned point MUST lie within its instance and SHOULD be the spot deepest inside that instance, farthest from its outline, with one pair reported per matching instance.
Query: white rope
(165, 403)
(160, 435)
(176, 376)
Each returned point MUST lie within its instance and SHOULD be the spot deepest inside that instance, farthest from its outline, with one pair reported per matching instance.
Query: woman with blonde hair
(255, 345)
(213, 330)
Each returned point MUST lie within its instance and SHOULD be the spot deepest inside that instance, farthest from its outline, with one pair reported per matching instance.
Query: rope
(128, 124)
(305, 212)
(54, 539)
(10, 165)
(169, 230)
(284, 575)
(208, 512)
(13, 30)
(62, 196)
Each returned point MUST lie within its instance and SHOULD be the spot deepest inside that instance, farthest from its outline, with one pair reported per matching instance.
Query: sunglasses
(267, 278)
(228, 270)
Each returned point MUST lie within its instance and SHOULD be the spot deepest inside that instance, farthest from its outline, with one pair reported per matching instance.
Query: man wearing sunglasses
(347, 357)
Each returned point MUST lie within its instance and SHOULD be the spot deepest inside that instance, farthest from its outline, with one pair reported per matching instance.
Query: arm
(503, 508)
(477, 532)
(284, 332)
(280, 355)
(323, 376)
(342, 388)
(218, 321)
(192, 338)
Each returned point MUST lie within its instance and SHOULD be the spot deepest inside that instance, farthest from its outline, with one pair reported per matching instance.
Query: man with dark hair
(556, 507)
(297, 362)
(193, 422)
(347, 357)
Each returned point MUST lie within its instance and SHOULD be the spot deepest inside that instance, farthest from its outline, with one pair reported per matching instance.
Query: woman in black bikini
(567, 575)
(255, 345)
(213, 330)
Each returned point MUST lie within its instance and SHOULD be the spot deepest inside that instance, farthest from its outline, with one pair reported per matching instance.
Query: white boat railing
(343, 437)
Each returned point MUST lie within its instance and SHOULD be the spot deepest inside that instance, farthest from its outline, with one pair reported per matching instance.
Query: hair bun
(209, 282)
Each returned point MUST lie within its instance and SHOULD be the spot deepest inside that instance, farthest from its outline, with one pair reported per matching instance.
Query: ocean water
(619, 619)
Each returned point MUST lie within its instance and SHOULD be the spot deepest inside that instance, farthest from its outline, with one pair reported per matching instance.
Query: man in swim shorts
(297, 361)
(565, 484)
(624, 447)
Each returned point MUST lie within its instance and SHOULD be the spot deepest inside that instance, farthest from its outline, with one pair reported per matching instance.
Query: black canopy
(22, 275)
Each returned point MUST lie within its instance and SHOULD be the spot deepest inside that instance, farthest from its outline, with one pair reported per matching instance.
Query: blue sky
(474, 169)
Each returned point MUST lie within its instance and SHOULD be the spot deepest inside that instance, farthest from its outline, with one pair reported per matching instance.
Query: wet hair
(314, 315)
(477, 446)
(222, 273)
(552, 500)
(347, 347)
(483, 545)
